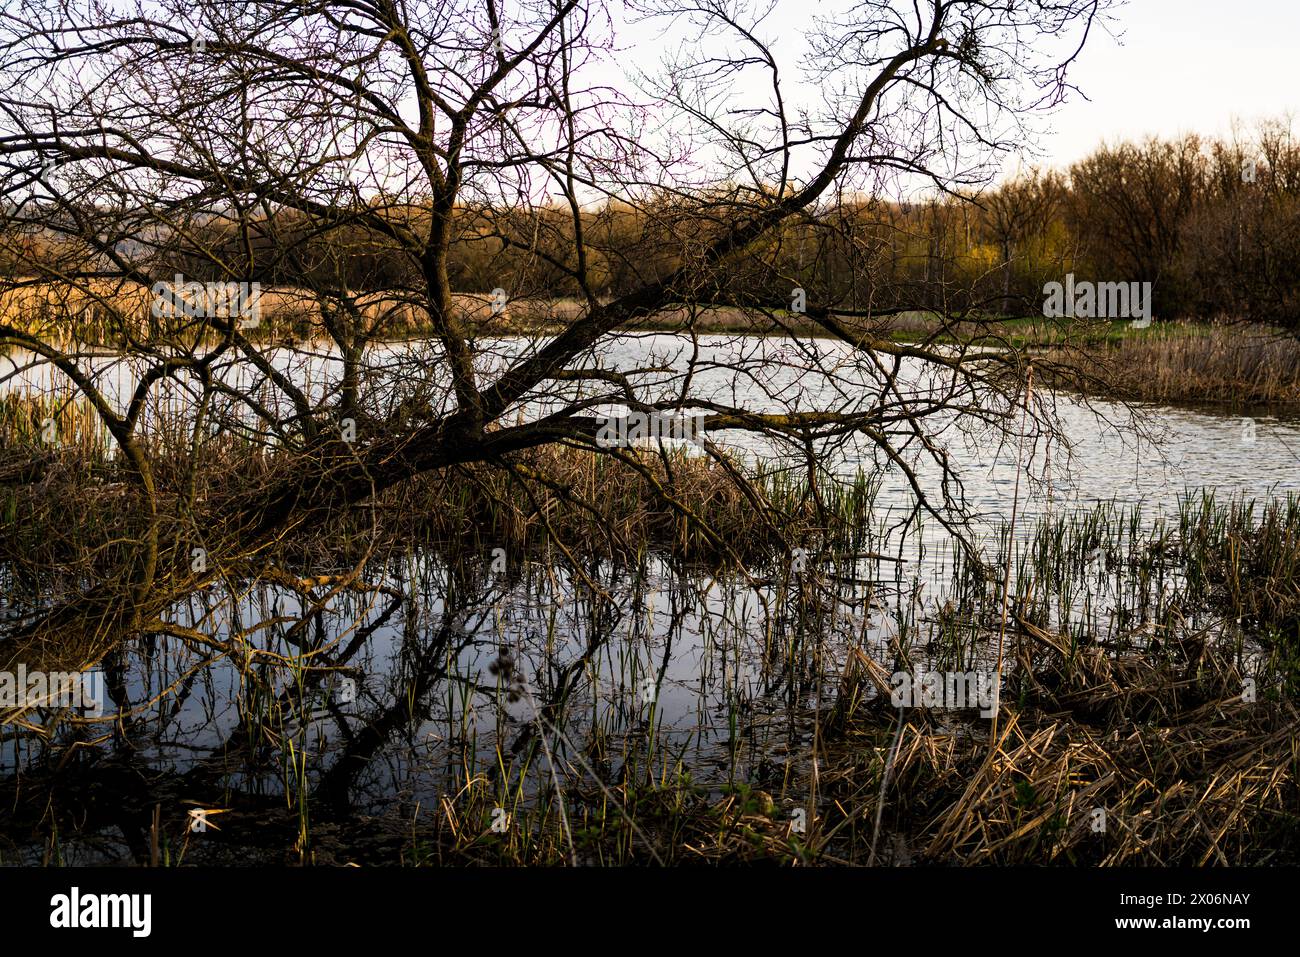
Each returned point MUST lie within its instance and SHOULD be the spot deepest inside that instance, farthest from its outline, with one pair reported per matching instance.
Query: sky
(1172, 66)
(1182, 66)
(1167, 67)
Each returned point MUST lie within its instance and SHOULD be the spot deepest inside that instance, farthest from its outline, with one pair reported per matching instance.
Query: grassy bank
(1228, 366)
(62, 498)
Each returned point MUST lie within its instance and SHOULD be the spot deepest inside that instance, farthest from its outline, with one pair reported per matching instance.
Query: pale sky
(1183, 66)
(1167, 67)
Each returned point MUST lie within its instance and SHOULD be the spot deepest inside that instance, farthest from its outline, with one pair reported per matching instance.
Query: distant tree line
(1213, 224)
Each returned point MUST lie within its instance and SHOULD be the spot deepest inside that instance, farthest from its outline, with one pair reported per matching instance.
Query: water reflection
(346, 707)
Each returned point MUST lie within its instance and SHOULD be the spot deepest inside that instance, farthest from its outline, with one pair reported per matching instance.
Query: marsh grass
(1131, 641)
(1127, 737)
(1237, 366)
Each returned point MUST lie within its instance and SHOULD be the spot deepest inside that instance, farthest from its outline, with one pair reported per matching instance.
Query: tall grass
(1238, 366)
(1132, 637)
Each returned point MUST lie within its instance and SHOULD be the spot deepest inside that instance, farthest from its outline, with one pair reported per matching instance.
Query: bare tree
(1130, 202)
(231, 141)
(1019, 209)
